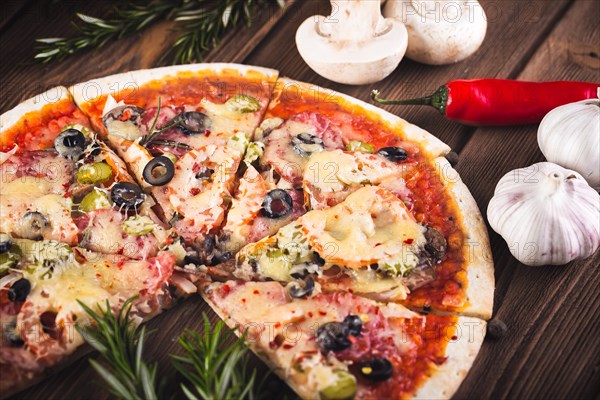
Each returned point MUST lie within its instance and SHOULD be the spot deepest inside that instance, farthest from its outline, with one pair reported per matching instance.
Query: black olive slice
(297, 291)
(436, 243)
(333, 336)
(19, 290)
(33, 225)
(277, 203)
(376, 369)
(70, 144)
(354, 324)
(124, 113)
(5, 242)
(205, 174)
(306, 144)
(393, 153)
(127, 195)
(190, 123)
(159, 171)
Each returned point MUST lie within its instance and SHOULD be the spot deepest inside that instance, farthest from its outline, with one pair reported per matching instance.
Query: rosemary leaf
(201, 24)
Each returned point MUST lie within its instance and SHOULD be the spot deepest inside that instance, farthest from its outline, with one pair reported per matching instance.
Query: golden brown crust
(480, 267)
(445, 379)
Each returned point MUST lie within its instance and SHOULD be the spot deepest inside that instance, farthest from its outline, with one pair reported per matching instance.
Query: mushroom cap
(354, 63)
(440, 31)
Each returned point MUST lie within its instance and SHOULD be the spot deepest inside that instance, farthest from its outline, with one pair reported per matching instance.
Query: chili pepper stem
(437, 100)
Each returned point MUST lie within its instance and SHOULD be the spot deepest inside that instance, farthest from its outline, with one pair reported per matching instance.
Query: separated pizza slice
(59, 182)
(183, 131)
(316, 146)
(40, 295)
(342, 346)
(370, 244)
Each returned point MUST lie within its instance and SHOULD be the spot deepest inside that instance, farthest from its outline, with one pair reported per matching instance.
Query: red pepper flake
(243, 300)
(207, 133)
(409, 241)
(454, 337)
(322, 313)
(288, 346)
(256, 292)
(310, 314)
(98, 275)
(226, 288)
(194, 191)
(277, 325)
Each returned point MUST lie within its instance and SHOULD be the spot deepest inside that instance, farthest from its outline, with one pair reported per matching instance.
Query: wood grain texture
(515, 28)
(553, 314)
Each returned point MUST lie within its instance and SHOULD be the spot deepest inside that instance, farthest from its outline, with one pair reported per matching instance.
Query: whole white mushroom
(440, 31)
(355, 45)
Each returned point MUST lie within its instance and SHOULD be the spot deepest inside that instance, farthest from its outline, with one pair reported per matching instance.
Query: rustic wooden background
(552, 348)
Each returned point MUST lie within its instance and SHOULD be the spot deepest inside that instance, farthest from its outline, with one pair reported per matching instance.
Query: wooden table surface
(552, 348)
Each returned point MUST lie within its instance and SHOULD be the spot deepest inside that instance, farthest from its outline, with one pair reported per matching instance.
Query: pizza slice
(342, 346)
(315, 147)
(39, 293)
(59, 182)
(183, 131)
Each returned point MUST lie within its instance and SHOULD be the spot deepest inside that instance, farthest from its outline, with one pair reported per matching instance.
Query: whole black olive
(5, 242)
(354, 324)
(33, 225)
(376, 369)
(436, 243)
(333, 336)
(306, 144)
(298, 291)
(19, 290)
(393, 153)
(127, 195)
(190, 123)
(70, 144)
(159, 171)
(277, 203)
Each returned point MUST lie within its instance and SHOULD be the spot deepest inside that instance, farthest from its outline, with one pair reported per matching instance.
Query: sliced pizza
(40, 295)
(59, 182)
(342, 346)
(183, 131)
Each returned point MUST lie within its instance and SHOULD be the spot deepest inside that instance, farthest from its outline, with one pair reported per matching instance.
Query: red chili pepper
(500, 101)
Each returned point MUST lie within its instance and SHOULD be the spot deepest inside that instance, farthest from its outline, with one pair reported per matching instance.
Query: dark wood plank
(21, 78)
(515, 28)
(551, 349)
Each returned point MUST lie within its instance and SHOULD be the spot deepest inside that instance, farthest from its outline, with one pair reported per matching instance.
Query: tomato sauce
(431, 203)
(37, 130)
(185, 89)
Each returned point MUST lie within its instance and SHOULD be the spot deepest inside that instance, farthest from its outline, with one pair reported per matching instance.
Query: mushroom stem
(437, 100)
(353, 21)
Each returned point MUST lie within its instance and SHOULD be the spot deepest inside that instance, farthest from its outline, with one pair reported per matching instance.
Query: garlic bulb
(570, 136)
(547, 214)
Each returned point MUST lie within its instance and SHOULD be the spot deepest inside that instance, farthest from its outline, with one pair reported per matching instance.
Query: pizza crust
(433, 146)
(444, 380)
(480, 270)
(86, 92)
(36, 103)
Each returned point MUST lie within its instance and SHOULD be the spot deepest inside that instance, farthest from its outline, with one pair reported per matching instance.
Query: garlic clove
(548, 215)
(569, 136)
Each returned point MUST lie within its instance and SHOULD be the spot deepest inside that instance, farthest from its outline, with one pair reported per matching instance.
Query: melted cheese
(371, 225)
(330, 176)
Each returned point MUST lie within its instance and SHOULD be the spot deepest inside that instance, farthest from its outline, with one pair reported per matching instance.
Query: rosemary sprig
(213, 368)
(121, 344)
(153, 132)
(203, 23)
(213, 364)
